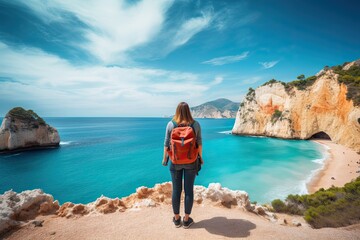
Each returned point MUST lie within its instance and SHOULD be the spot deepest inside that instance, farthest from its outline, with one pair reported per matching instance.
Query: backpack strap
(192, 126)
(175, 124)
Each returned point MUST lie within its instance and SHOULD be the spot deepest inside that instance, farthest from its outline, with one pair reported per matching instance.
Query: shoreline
(339, 167)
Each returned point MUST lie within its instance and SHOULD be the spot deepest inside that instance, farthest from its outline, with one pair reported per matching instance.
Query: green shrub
(301, 77)
(278, 205)
(276, 115)
(351, 78)
(271, 82)
(250, 95)
(27, 115)
(334, 207)
(250, 92)
(302, 83)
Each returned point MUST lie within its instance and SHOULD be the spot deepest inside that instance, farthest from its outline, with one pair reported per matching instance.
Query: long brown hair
(183, 114)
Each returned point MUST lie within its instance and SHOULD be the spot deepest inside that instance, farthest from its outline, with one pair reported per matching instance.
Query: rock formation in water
(24, 129)
(16, 208)
(327, 104)
(220, 108)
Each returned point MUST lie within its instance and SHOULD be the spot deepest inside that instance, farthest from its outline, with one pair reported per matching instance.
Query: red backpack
(183, 147)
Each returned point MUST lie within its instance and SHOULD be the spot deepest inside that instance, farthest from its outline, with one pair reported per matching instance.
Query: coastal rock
(220, 108)
(321, 109)
(18, 207)
(216, 193)
(24, 129)
(296, 223)
(161, 193)
(260, 210)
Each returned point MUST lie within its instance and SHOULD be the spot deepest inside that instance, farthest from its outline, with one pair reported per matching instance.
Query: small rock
(332, 178)
(38, 223)
(296, 223)
(52, 233)
(285, 221)
(260, 210)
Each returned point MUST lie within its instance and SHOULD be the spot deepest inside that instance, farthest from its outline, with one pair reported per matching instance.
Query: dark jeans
(189, 173)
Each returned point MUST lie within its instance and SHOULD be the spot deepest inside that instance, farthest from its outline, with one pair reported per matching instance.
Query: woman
(178, 171)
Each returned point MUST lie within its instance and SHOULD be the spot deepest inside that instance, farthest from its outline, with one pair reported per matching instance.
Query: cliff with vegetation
(220, 108)
(325, 105)
(23, 129)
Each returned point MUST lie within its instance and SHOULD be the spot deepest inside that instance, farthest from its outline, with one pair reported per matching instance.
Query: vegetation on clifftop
(351, 78)
(27, 115)
(334, 207)
(301, 83)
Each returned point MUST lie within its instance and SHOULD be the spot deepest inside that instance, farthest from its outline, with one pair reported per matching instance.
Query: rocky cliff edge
(19, 208)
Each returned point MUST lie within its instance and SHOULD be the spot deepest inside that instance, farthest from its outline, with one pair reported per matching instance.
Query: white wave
(65, 143)
(254, 136)
(226, 132)
(325, 146)
(319, 161)
(12, 155)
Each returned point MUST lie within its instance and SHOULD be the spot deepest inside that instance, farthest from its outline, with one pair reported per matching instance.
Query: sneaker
(177, 222)
(188, 223)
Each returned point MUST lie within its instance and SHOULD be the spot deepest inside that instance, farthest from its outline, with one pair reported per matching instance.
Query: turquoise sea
(114, 156)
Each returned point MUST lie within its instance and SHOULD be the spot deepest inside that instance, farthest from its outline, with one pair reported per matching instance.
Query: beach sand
(341, 166)
(211, 222)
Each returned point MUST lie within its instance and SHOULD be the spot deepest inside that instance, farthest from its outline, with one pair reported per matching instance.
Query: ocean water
(114, 156)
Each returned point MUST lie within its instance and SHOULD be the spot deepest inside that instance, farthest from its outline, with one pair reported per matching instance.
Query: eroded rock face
(152, 197)
(273, 111)
(18, 207)
(21, 129)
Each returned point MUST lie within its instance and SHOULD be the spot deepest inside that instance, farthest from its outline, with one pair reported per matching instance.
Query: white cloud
(251, 80)
(217, 80)
(267, 65)
(62, 89)
(189, 28)
(227, 59)
(114, 27)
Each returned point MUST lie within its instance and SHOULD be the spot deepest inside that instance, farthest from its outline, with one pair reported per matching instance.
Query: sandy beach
(341, 166)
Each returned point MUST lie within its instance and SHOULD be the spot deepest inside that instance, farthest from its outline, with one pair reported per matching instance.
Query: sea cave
(320, 135)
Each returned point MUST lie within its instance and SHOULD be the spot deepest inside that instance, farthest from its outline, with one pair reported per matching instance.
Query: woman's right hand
(164, 162)
(201, 160)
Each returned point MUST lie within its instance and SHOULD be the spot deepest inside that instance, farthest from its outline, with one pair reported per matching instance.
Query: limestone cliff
(305, 108)
(220, 108)
(21, 129)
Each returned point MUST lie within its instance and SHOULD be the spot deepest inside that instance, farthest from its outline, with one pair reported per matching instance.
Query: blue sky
(140, 58)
